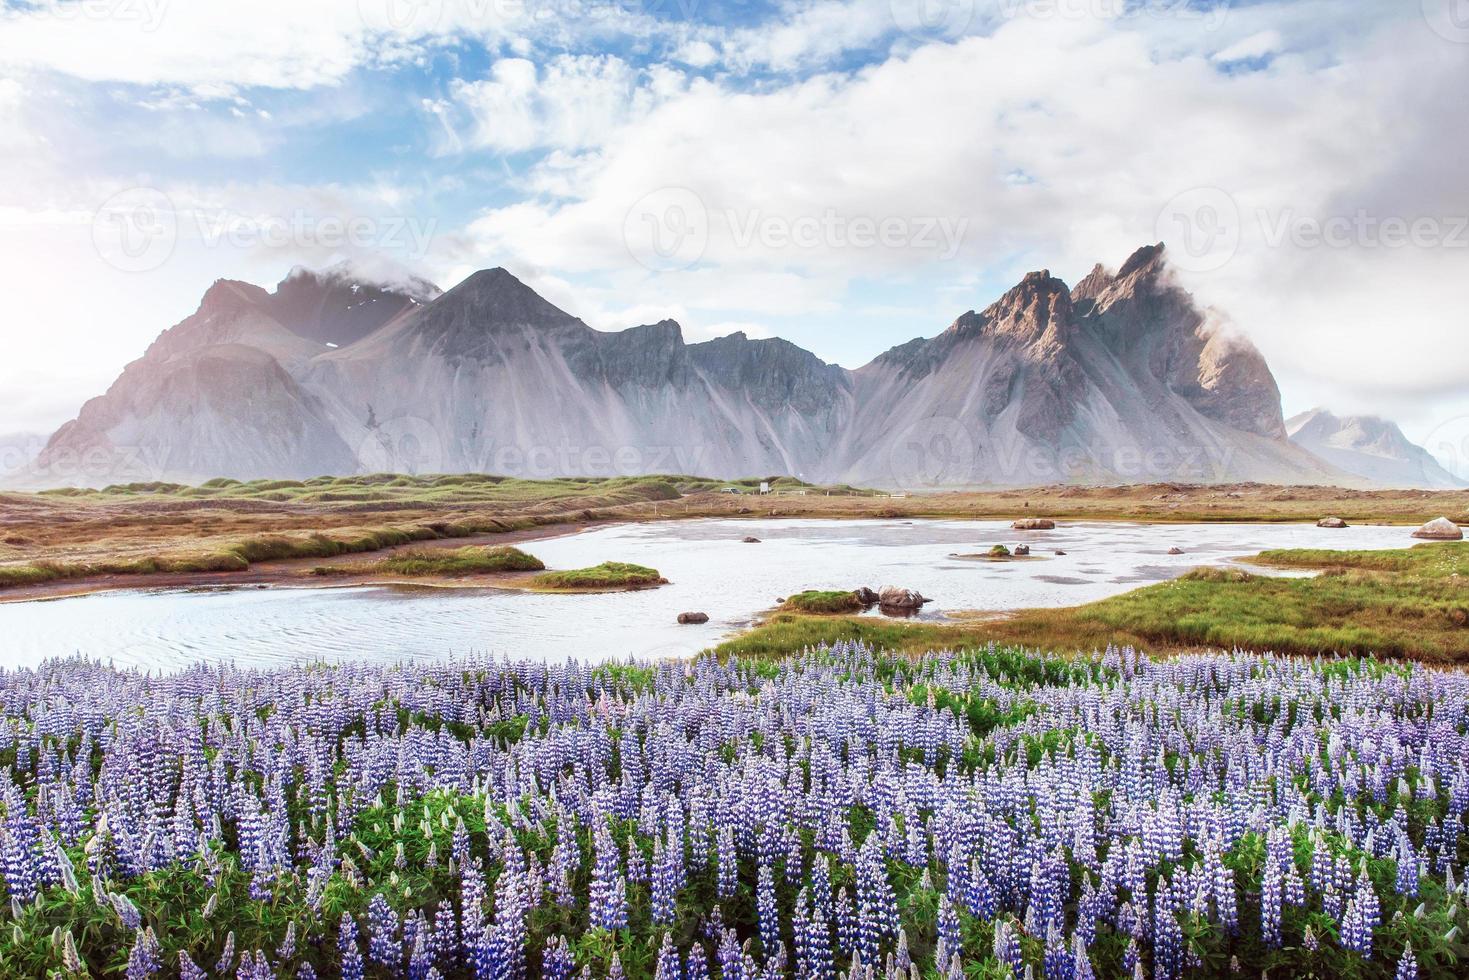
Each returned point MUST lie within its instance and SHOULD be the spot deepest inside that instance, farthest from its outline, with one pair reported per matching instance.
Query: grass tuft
(822, 603)
(473, 560)
(608, 575)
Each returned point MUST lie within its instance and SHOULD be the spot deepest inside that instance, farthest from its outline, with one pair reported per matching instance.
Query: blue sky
(845, 173)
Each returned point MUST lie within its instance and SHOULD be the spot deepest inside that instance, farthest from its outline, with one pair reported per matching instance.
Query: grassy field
(608, 575)
(1412, 603)
(445, 562)
(80, 538)
(228, 526)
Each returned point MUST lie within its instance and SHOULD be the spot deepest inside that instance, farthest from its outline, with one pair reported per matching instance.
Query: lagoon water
(711, 571)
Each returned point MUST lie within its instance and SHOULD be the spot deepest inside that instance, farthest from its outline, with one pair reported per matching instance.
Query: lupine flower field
(838, 814)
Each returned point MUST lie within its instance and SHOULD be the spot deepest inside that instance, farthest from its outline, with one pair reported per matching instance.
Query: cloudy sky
(844, 173)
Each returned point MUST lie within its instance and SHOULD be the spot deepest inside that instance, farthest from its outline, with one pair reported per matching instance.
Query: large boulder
(1440, 529)
(1034, 524)
(893, 597)
(1022, 551)
(692, 618)
(866, 596)
(1335, 522)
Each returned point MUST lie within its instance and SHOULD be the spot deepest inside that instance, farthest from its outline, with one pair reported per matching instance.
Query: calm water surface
(711, 570)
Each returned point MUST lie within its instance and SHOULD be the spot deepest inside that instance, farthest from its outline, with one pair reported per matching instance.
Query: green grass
(447, 488)
(1410, 603)
(786, 633)
(608, 575)
(823, 603)
(473, 560)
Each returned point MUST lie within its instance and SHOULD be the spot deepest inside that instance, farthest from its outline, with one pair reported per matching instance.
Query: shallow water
(710, 568)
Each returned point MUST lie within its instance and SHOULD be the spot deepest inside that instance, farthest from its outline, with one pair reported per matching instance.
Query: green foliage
(608, 575)
(820, 603)
(473, 560)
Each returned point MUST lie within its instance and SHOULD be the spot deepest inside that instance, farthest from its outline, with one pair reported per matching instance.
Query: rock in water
(1034, 524)
(750, 540)
(1440, 529)
(1175, 550)
(1331, 522)
(1022, 550)
(895, 598)
(692, 618)
(866, 596)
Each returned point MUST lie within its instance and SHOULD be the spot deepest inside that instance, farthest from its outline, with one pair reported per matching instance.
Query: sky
(847, 174)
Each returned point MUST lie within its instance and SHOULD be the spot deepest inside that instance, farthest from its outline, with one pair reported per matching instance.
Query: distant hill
(1372, 448)
(1121, 379)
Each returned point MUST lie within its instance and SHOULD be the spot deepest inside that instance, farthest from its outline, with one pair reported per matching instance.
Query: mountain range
(1119, 379)
(1370, 447)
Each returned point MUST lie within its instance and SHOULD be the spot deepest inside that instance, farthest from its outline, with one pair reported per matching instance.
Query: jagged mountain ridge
(1370, 447)
(1122, 379)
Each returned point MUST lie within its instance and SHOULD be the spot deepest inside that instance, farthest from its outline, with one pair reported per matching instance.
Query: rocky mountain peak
(335, 307)
(231, 296)
(1146, 261)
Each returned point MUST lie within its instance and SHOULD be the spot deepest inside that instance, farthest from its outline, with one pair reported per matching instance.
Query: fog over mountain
(1121, 378)
(1372, 448)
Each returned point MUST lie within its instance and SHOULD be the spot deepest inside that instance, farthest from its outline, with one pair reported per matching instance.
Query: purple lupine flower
(1058, 963)
(556, 961)
(1407, 965)
(728, 865)
(384, 946)
(226, 961)
(145, 959)
(768, 914)
(1167, 935)
(731, 960)
(696, 963)
(608, 894)
(948, 928)
(668, 966)
(509, 936)
(666, 881)
(445, 940)
(347, 949)
(188, 970)
(1007, 948)
(1270, 901)
(877, 907)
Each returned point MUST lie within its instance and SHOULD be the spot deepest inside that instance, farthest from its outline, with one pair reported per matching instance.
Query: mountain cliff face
(1371, 448)
(1121, 379)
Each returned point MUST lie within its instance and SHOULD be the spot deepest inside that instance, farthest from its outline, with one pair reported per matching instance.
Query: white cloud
(1102, 130)
(573, 102)
(1254, 46)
